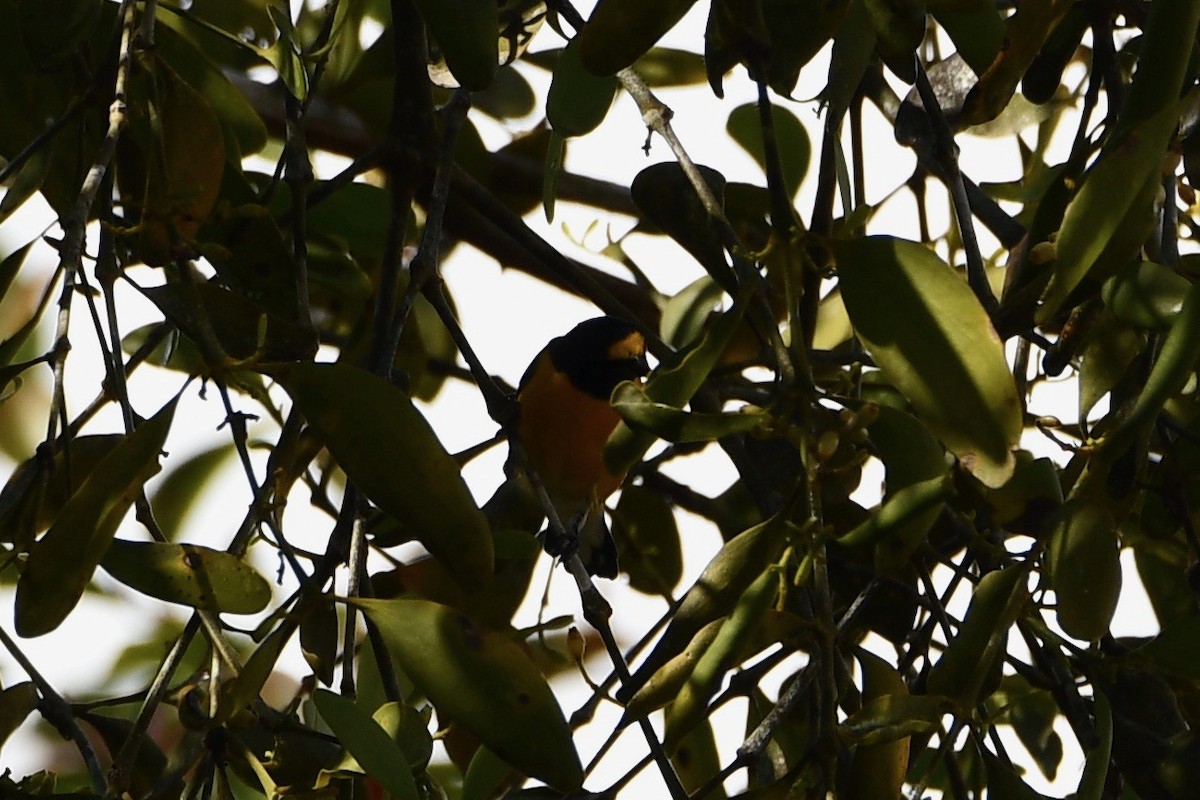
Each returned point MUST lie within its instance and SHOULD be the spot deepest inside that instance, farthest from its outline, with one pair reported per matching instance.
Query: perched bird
(565, 419)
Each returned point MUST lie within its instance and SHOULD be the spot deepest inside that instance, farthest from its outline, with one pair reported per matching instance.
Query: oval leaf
(790, 136)
(1146, 294)
(1084, 567)
(620, 32)
(578, 100)
(676, 425)
(933, 340)
(648, 539)
(62, 562)
(388, 449)
(374, 750)
(964, 669)
(188, 574)
(714, 594)
(665, 197)
(481, 680)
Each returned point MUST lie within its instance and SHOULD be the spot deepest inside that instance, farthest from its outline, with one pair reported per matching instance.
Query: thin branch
(946, 152)
(75, 224)
(57, 712)
(121, 771)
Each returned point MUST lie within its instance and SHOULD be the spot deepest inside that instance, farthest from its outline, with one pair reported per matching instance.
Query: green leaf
(62, 562)
(666, 67)
(241, 327)
(188, 574)
(1105, 359)
(878, 770)
(1099, 756)
(665, 197)
(284, 53)
(486, 776)
(773, 39)
(16, 703)
(976, 29)
(11, 265)
(175, 496)
(1146, 294)
(690, 706)
(375, 751)
(387, 448)
(1005, 784)
(243, 690)
(319, 642)
(663, 686)
(1031, 713)
(1027, 30)
(1022, 504)
(245, 132)
(912, 458)
(479, 679)
(673, 385)
(925, 329)
(149, 764)
(1109, 217)
(911, 507)
(790, 136)
(556, 148)
(1170, 373)
(894, 716)
(853, 51)
(965, 669)
(578, 100)
(688, 310)
(13, 346)
(32, 498)
(676, 425)
(619, 32)
(899, 28)
(1176, 648)
(648, 540)
(170, 161)
(715, 593)
(467, 31)
(697, 761)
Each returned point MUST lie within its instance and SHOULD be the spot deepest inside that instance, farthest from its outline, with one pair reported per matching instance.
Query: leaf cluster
(815, 341)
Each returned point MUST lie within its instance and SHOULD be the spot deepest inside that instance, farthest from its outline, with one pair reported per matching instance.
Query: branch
(57, 712)
(75, 225)
(946, 153)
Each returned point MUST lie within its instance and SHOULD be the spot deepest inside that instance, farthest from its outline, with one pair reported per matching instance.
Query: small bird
(564, 420)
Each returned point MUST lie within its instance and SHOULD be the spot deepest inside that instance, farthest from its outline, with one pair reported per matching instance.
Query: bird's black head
(600, 353)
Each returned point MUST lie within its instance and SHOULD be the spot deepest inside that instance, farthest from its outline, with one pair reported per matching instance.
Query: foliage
(902, 632)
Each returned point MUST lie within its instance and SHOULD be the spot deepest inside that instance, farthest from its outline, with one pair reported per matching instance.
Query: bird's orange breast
(564, 430)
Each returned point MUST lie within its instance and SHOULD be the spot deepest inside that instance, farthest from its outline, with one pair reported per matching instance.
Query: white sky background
(508, 317)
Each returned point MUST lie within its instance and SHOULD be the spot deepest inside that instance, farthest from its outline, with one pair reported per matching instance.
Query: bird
(565, 418)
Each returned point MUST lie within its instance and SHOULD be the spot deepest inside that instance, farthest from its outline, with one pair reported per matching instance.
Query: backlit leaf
(482, 681)
(925, 329)
(61, 563)
(392, 454)
(188, 574)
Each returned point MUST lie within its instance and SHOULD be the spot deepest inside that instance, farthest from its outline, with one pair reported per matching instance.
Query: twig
(48, 133)
(946, 152)
(426, 263)
(123, 763)
(657, 117)
(298, 174)
(58, 713)
(75, 224)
